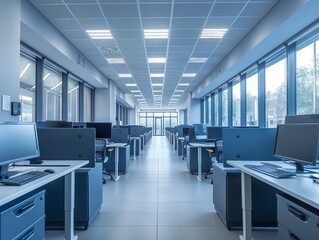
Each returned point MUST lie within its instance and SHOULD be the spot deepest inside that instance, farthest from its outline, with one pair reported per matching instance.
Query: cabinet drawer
(285, 234)
(300, 221)
(34, 232)
(21, 216)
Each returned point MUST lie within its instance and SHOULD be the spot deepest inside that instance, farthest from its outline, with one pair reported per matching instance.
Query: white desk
(302, 188)
(134, 146)
(199, 154)
(116, 147)
(9, 193)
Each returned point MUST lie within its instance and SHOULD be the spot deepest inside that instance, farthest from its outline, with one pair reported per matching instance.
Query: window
(27, 88)
(73, 101)
(209, 109)
(276, 92)
(307, 79)
(252, 100)
(216, 118)
(236, 104)
(225, 107)
(87, 103)
(52, 87)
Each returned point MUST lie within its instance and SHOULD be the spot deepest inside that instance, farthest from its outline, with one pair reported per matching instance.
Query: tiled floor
(157, 199)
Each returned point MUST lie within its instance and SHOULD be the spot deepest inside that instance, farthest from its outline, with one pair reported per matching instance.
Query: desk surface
(300, 187)
(208, 144)
(115, 144)
(9, 193)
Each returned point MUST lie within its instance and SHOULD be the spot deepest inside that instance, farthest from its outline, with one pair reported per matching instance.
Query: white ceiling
(127, 19)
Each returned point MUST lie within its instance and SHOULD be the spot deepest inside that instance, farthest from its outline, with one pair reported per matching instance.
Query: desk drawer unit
(34, 232)
(296, 220)
(20, 217)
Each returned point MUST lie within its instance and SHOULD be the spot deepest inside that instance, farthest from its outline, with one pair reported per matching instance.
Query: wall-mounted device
(15, 108)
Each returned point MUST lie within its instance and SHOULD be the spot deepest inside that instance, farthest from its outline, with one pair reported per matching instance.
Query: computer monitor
(18, 142)
(134, 131)
(306, 118)
(54, 124)
(185, 131)
(297, 142)
(214, 132)
(103, 129)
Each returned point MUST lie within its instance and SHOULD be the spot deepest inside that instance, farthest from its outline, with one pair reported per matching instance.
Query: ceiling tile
(86, 11)
(257, 9)
(120, 10)
(127, 23)
(155, 10)
(191, 9)
(227, 9)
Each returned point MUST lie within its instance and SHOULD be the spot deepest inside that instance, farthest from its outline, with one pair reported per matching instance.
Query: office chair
(100, 149)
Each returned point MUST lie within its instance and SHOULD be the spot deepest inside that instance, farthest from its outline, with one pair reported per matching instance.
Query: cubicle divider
(72, 144)
(244, 144)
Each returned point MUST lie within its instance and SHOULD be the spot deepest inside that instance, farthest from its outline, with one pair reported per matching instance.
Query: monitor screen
(103, 129)
(185, 131)
(214, 132)
(18, 142)
(54, 124)
(297, 142)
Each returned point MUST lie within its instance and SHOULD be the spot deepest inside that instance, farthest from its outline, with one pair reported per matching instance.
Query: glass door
(158, 126)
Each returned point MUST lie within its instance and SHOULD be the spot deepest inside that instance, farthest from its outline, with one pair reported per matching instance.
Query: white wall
(10, 54)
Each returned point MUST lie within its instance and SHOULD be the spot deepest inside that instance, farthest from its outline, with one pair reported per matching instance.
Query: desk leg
(134, 150)
(182, 143)
(69, 183)
(246, 205)
(116, 164)
(199, 158)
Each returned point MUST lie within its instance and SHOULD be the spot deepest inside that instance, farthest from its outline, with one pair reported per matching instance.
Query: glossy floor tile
(158, 199)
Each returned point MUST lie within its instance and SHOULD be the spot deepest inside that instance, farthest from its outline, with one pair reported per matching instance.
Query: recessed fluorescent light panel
(154, 75)
(183, 84)
(157, 84)
(189, 75)
(125, 75)
(213, 33)
(135, 91)
(131, 84)
(99, 34)
(156, 60)
(157, 91)
(155, 33)
(115, 60)
(179, 90)
(197, 60)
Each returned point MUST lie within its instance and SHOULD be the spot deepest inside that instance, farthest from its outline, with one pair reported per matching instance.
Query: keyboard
(271, 171)
(23, 178)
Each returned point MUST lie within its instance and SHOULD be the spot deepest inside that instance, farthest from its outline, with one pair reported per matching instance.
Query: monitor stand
(300, 168)
(4, 170)
(36, 161)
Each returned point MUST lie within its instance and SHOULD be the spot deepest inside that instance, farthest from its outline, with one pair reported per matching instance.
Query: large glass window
(276, 92)
(307, 79)
(73, 101)
(87, 104)
(252, 100)
(52, 87)
(216, 117)
(236, 104)
(209, 109)
(27, 89)
(225, 107)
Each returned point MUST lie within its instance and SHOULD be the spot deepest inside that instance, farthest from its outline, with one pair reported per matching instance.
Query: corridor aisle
(158, 199)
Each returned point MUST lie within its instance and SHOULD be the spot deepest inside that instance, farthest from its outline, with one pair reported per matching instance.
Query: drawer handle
(25, 208)
(293, 236)
(297, 213)
(28, 234)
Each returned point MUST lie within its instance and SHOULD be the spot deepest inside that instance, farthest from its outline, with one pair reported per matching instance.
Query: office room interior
(159, 119)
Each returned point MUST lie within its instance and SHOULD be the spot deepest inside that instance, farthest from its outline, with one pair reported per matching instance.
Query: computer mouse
(49, 171)
(314, 175)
